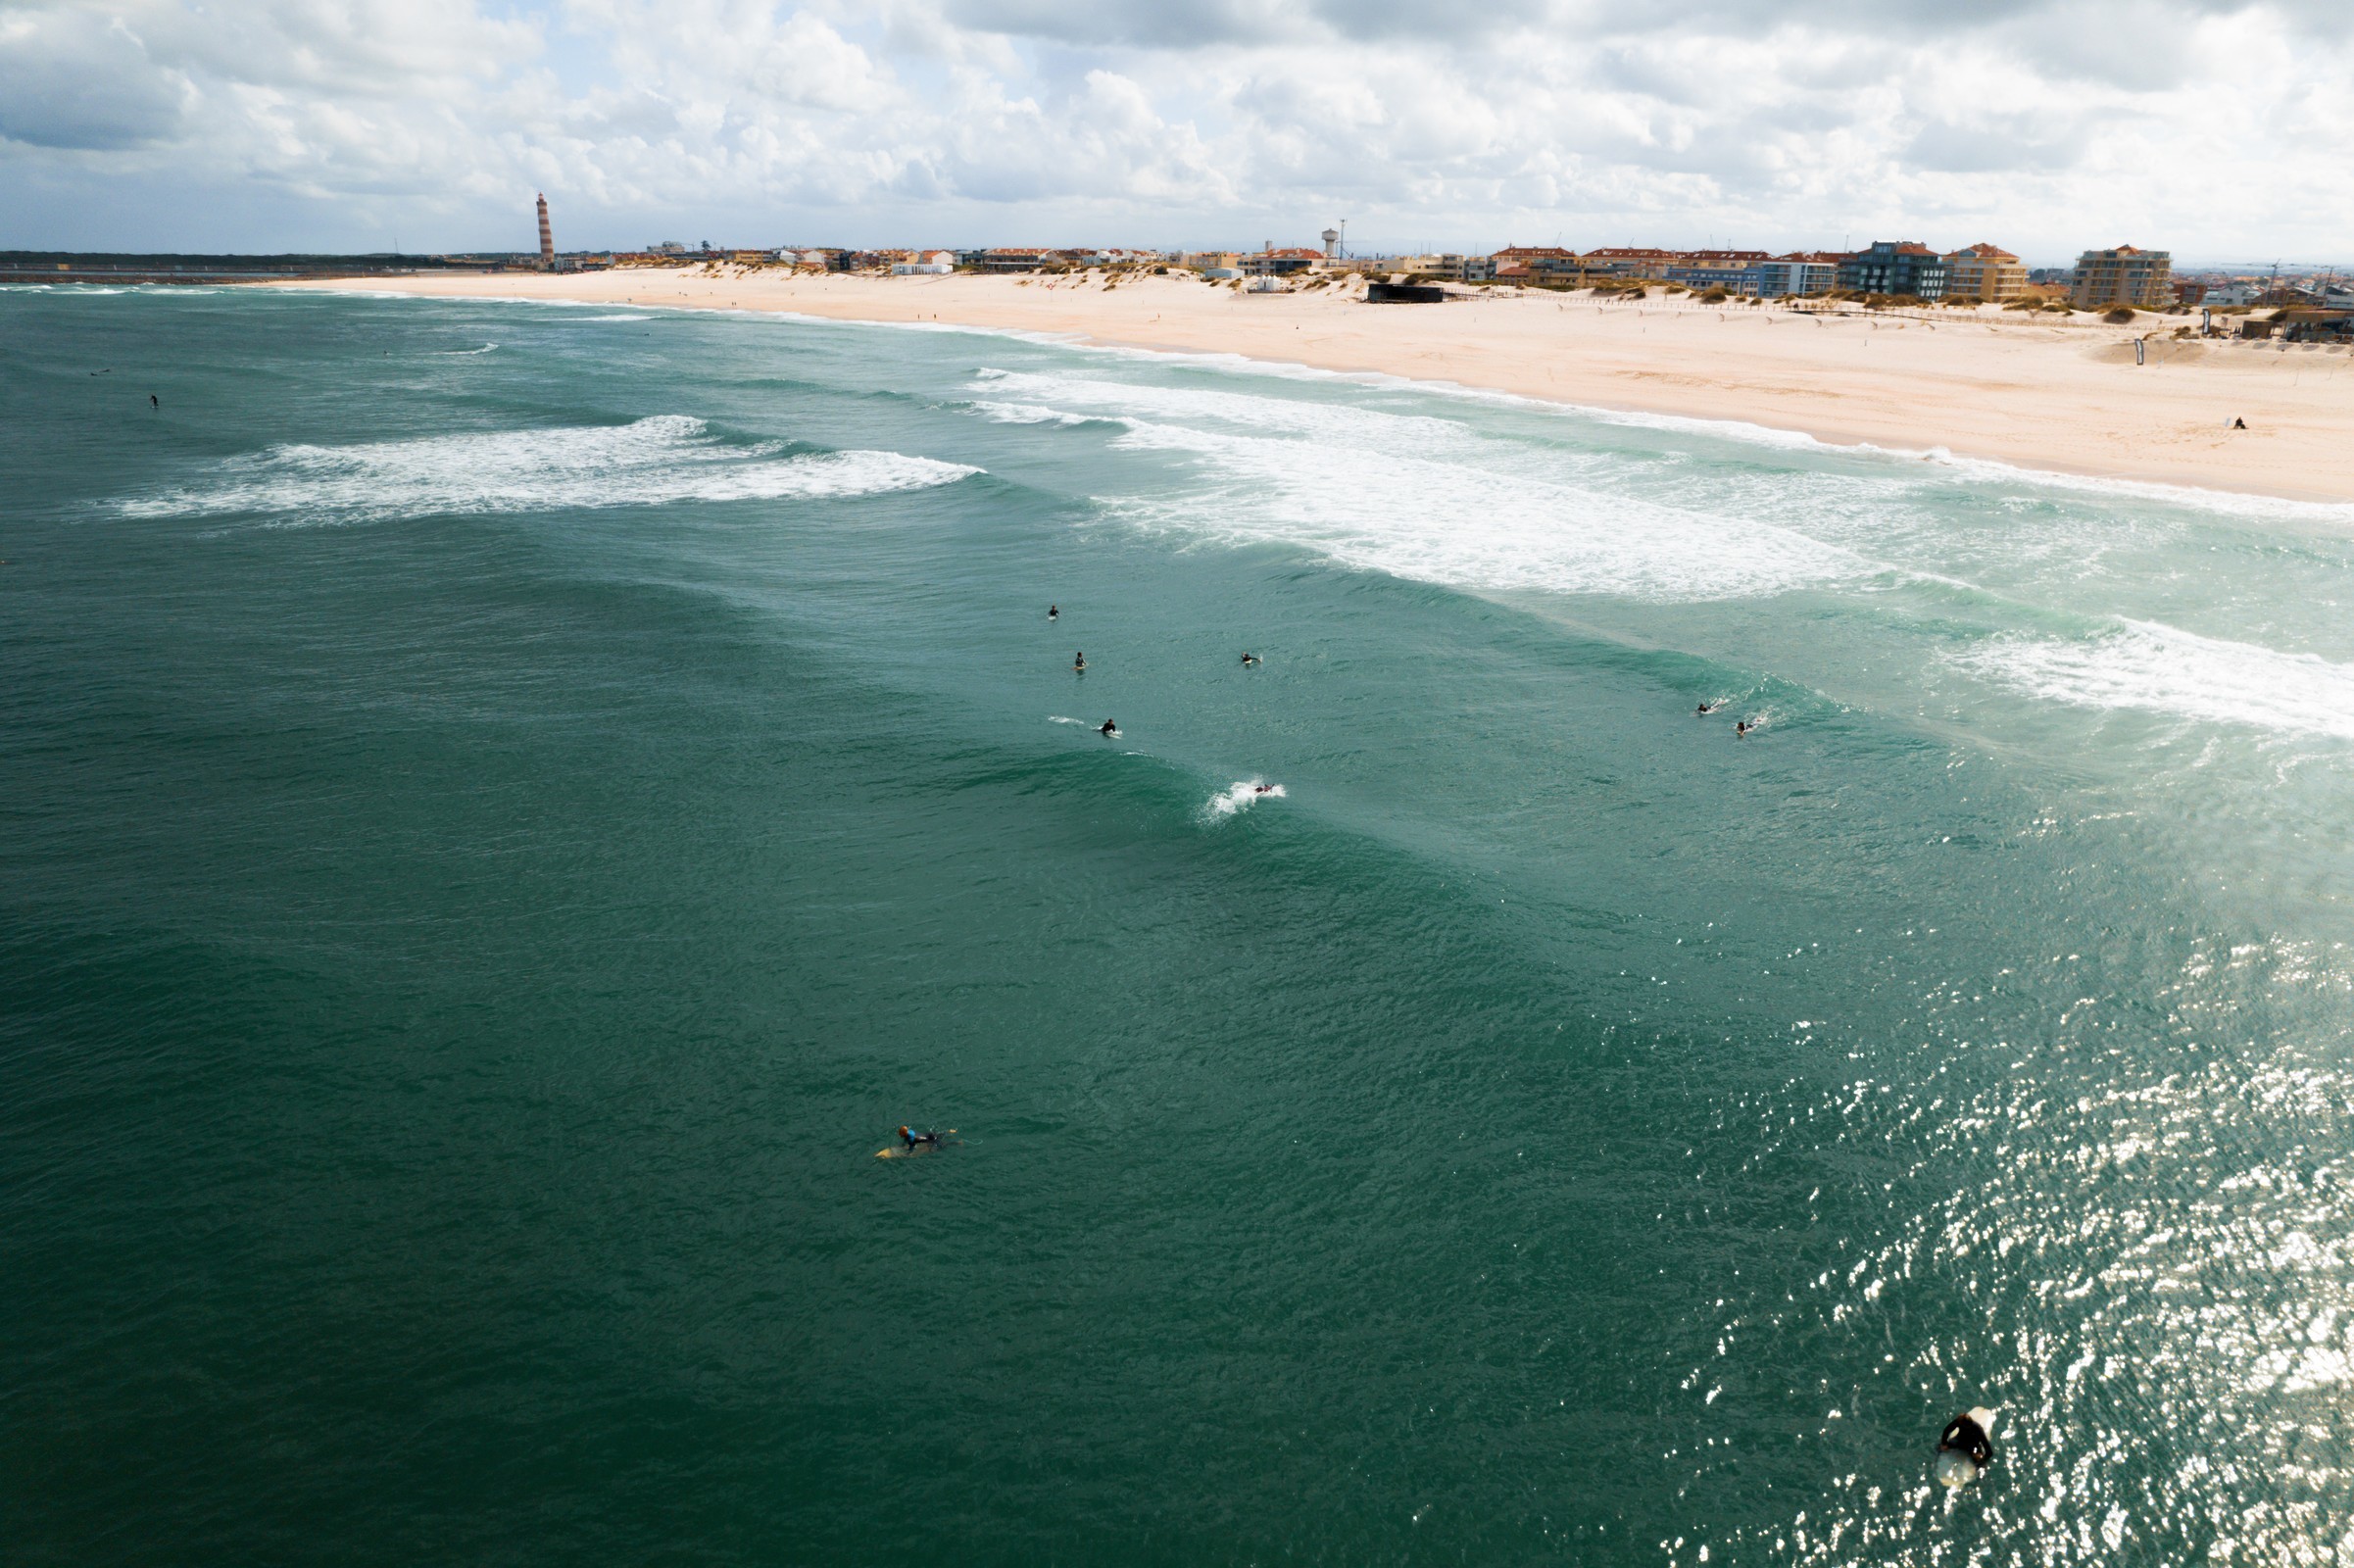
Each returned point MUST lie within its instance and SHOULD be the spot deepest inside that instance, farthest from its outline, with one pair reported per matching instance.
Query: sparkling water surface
(508, 806)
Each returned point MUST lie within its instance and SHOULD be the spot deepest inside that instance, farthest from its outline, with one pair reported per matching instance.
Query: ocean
(508, 806)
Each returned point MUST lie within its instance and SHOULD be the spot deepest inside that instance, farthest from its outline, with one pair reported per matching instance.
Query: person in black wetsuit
(152, 402)
(1079, 660)
(1705, 707)
(1964, 1448)
(1740, 728)
(1250, 659)
(1109, 728)
(1053, 612)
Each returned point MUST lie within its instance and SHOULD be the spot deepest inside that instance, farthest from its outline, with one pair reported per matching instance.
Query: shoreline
(2061, 398)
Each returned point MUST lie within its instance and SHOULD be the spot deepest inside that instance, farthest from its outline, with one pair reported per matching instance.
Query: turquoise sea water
(504, 809)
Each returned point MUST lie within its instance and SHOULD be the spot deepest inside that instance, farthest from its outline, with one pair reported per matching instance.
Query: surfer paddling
(1250, 659)
(1078, 661)
(1107, 729)
(912, 1141)
(1965, 1449)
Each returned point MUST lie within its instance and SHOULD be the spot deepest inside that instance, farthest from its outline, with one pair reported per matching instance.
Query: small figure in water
(1740, 729)
(1109, 728)
(1079, 660)
(1964, 1448)
(150, 400)
(1250, 659)
(915, 1140)
(1262, 789)
(1705, 707)
(1053, 612)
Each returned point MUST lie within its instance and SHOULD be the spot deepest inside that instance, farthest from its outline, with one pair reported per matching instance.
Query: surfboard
(895, 1152)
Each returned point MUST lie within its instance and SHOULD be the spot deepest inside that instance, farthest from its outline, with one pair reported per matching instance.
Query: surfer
(1250, 659)
(1107, 729)
(917, 1139)
(152, 400)
(1740, 729)
(1053, 612)
(1705, 707)
(1079, 660)
(1964, 1449)
(1262, 789)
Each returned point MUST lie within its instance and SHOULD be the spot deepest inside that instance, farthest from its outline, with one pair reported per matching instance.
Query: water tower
(1332, 244)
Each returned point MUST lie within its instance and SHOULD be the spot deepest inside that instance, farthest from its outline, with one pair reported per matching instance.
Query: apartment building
(1734, 271)
(1525, 260)
(1895, 266)
(2126, 276)
(1615, 261)
(1273, 263)
(1797, 274)
(1986, 272)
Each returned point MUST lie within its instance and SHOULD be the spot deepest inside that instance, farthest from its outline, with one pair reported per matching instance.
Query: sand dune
(2039, 392)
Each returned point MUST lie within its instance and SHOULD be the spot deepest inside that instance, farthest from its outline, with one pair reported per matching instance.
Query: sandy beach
(2037, 391)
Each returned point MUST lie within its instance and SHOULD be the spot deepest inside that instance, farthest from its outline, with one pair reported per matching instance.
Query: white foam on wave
(462, 353)
(663, 459)
(1244, 411)
(1494, 519)
(2161, 669)
(1025, 414)
(1430, 499)
(1240, 796)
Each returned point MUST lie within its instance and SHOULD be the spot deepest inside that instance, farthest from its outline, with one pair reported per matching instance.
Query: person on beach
(2239, 423)
(1079, 660)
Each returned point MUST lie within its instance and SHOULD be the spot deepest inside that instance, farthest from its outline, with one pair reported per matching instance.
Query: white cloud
(2213, 127)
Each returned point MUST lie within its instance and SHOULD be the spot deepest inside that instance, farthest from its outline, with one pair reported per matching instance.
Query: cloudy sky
(2219, 129)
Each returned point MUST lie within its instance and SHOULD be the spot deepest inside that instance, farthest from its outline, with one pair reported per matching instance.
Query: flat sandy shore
(2042, 393)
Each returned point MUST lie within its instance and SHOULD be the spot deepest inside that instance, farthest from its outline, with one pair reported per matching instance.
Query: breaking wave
(2161, 669)
(653, 461)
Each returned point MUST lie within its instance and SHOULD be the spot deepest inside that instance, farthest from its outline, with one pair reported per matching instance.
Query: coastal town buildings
(1985, 272)
(2123, 275)
(1897, 269)
(1895, 266)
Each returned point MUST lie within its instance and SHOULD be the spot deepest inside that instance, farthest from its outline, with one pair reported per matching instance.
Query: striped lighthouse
(547, 239)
